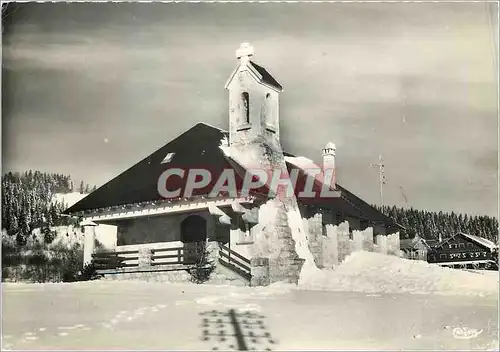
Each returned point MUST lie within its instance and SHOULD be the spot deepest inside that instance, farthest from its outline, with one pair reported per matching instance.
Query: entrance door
(193, 235)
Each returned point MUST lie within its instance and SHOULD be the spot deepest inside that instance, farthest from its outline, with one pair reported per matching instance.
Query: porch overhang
(137, 210)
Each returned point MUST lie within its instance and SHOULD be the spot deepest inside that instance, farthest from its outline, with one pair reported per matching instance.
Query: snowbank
(377, 273)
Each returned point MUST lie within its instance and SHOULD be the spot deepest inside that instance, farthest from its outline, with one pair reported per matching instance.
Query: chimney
(329, 163)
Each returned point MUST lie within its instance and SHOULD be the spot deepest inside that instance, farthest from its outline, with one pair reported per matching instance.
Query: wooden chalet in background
(464, 251)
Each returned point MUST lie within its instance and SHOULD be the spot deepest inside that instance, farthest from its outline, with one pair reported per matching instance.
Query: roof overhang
(138, 211)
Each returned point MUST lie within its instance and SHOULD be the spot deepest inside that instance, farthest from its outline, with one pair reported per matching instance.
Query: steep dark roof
(196, 148)
(266, 76)
(370, 212)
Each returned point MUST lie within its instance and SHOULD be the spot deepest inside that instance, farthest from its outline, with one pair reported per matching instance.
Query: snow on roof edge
(217, 128)
(484, 241)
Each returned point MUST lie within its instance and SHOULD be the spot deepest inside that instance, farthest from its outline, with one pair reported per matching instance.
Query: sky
(88, 90)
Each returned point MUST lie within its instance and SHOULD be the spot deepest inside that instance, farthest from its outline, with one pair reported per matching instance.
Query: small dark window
(267, 110)
(442, 256)
(470, 245)
(462, 245)
(246, 106)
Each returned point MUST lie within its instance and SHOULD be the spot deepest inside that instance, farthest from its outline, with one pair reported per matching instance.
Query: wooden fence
(177, 257)
(116, 260)
(168, 259)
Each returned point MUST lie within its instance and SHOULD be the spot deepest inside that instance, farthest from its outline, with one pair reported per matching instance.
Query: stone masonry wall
(163, 228)
(150, 276)
(273, 238)
(332, 247)
(314, 229)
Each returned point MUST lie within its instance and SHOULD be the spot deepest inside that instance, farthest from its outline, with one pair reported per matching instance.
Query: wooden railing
(176, 255)
(234, 261)
(115, 260)
(160, 256)
(175, 258)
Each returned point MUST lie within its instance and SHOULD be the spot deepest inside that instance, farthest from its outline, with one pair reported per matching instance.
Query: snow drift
(68, 199)
(377, 273)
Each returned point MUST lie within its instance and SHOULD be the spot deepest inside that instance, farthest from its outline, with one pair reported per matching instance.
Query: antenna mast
(382, 178)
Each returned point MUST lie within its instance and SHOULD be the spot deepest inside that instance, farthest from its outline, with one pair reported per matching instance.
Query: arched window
(268, 108)
(268, 114)
(246, 106)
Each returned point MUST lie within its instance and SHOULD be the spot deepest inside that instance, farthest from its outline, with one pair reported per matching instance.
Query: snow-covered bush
(204, 264)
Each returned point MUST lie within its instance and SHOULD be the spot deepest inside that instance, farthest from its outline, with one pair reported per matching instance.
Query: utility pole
(382, 178)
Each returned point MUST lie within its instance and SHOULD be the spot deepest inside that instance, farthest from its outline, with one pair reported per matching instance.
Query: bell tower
(253, 100)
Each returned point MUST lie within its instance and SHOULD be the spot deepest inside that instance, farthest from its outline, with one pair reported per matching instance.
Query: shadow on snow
(239, 331)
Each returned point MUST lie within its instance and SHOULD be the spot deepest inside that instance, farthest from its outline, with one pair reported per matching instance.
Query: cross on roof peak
(245, 50)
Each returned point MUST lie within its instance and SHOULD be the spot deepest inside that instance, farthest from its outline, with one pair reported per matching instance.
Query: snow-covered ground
(68, 198)
(368, 304)
(135, 315)
(375, 272)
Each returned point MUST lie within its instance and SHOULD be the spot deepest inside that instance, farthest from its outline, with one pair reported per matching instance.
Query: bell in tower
(253, 100)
